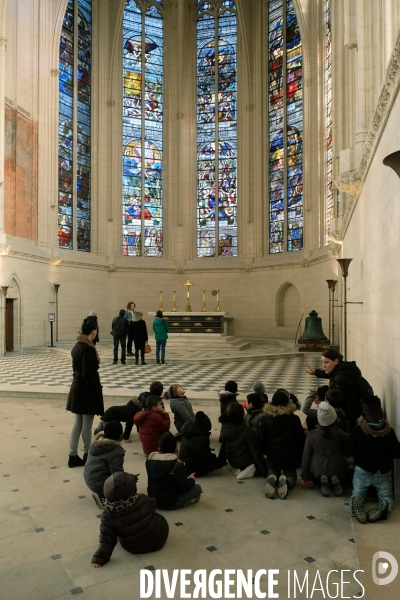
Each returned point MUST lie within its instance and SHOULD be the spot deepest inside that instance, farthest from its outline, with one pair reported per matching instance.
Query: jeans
(192, 493)
(381, 481)
(160, 344)
(121, 341)
(290, 474)
(82, 425)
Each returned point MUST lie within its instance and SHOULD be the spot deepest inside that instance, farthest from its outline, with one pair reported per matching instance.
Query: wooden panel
(9, 325)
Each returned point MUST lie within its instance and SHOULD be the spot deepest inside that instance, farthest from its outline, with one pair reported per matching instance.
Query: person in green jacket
(160, 328)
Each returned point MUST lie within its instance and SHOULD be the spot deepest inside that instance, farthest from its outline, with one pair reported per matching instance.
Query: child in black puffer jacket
(195, 447)
(130, 517)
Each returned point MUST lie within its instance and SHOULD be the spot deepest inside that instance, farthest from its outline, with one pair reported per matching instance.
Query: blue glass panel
(142, 114)
(216, 86)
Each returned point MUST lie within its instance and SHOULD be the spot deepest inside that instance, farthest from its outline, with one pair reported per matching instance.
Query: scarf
(85, 340)
(120, 505)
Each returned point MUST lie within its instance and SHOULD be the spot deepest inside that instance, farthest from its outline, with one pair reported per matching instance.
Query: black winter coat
(139, 528)
(138, 330)
(373, 448)
(344, 378)
(241, 446)
(123, 413)
(167, 479)
(195, 450)
(85, 396)
(281, 436)
(119, 327)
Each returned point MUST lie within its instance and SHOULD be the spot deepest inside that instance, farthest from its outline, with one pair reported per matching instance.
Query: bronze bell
(313, 338)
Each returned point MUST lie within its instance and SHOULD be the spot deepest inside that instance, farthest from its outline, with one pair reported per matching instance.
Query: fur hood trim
(373, 432)
(136, 401)
(162, 456)
(85, 340)
(101, 442)
(279, 411)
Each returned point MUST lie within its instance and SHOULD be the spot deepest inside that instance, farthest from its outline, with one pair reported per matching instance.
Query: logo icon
(380, 568)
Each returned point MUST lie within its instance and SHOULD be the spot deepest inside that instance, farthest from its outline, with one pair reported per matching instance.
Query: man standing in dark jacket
(344, 376)
(119, 330)
(167, 479)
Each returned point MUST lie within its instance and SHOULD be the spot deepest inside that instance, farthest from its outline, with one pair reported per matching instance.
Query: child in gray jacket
(106, 456)
(180, 406)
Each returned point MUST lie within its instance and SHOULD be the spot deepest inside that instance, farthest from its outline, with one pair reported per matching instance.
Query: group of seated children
(269, 441)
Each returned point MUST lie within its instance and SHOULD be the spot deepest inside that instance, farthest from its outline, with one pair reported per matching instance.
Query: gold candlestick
(161, 302)
(188, 286)
(204, 307)
(216, 293)
(174, 302)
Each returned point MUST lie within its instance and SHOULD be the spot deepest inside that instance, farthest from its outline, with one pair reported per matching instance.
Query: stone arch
(14, 292)
(287, 305)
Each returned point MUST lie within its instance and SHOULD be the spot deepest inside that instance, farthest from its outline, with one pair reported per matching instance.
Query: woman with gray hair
(93, 318)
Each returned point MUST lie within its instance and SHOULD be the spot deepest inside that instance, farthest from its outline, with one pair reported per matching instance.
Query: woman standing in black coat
(140, 337)
(85, 398)
(93, 317)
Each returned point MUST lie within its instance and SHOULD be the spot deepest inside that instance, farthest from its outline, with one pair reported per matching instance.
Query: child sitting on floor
(130, 517)
(310, 406)
(323, 456)
(240, 444)
(152, 423)
(374, 445)
(180, 406)
(254, 410)
(105, 457)
(167, 479)
(195, 450)
(124, 413)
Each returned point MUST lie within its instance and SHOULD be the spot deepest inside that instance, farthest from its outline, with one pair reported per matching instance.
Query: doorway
(9, 325)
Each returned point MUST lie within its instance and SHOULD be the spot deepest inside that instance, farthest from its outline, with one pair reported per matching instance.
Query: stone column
(3, 47)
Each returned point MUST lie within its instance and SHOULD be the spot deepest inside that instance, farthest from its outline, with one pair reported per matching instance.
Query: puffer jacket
(132, 518)
(281, 436)
(225, 398)
(160, 328)
(151, 427)
(241, 446)
(195, 451)
(253, 418)
(344, 378)
(182, 410)
(167, 478)
(324, 456)
(105, 457)
(373, 446)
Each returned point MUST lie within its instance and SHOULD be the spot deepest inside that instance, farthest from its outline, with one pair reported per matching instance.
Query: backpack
(364, 387)
(143, 399)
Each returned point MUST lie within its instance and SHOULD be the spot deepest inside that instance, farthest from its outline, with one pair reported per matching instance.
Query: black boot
(75, 461)
(137, 357)
(85, 458)
(142, 357)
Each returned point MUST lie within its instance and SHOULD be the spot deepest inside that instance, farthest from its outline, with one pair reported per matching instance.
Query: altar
(207, 323)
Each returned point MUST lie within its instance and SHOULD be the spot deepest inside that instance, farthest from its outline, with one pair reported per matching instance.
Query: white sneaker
(234, 471)
(247, 472)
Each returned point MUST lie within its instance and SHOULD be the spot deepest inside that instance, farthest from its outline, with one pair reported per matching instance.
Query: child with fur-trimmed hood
(281, 437)
(105, 457)
(130, 517)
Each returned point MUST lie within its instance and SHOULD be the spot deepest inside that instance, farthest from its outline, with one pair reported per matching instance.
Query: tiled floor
(49, 523)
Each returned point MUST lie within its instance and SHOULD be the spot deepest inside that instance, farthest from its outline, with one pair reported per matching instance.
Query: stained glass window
(142, 218)
(329, 213)
(74, 133)
(285, 128)
(216, 128)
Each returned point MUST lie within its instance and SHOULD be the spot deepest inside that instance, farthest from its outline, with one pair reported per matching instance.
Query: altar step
(205, 340)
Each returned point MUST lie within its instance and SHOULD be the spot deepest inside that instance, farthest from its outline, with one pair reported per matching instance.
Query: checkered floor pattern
(53, 369)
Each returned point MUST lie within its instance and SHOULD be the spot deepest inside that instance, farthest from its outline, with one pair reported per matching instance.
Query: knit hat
(173, 390)
(326, 414)
(202, 421)
(113, 430)
(167, 442)
(119, 486)
(259, 388)
(280, 399)
(231, 386)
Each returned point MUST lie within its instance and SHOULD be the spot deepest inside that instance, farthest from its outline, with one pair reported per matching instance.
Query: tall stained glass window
(142, 218)
(216, 128)
(285, 128)
(329, 213)
(74, 129)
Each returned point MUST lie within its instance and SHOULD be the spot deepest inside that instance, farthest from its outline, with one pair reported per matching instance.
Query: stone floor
(49, 524)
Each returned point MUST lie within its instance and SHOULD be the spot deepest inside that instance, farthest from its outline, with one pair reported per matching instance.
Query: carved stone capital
(352, 46)
(4, 250)
(54, 72)
(110, 103)
(335, 236)
(351, 182)
(3, 41)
